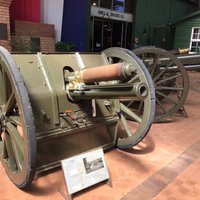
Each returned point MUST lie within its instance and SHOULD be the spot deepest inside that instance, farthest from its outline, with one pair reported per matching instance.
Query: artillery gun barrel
(190, 62)
(98, 83)
(189, 59)
(103, 73)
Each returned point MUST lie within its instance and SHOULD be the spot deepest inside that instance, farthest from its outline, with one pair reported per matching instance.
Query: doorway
(110, 33)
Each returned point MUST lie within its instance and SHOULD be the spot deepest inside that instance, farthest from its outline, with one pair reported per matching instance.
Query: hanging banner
(52, 13)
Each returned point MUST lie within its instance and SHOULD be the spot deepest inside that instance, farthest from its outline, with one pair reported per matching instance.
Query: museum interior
(99, 99)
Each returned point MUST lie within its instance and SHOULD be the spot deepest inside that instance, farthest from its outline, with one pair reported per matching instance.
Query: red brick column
(5, 19)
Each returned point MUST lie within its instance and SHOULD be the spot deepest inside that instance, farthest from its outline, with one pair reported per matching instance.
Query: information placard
(84, 170)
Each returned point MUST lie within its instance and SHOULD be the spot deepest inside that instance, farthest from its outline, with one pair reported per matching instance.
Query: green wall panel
(183, 32)
(155, 17)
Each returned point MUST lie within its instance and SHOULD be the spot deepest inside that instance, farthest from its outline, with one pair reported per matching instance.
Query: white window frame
(194, 40)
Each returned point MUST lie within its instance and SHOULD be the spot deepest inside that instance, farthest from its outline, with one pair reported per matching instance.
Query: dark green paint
(184, 30)
(156, 17)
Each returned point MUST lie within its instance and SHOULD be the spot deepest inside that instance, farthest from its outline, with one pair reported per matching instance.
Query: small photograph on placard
(94, 165)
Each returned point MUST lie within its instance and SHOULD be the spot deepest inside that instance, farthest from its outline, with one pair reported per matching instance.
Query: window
(106, 4)
(118, 5)
(34, 44)
(3, 32)
(195, 40)
(129, 6)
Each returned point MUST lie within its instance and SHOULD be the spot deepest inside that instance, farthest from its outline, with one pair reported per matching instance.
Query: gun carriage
(53, 106)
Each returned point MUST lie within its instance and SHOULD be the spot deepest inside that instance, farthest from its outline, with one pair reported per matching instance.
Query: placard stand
(109, 181)
(64, 191)
(83, 171)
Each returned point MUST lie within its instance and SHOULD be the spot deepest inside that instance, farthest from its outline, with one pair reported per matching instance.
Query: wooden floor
(164, 166)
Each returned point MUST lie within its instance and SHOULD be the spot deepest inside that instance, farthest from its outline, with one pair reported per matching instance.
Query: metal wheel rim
(18, 140)
(181, 74)
(148, 115)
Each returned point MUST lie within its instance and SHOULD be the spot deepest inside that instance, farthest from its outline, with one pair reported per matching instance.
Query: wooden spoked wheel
(169, 77)
(136, 130)
(17, 130)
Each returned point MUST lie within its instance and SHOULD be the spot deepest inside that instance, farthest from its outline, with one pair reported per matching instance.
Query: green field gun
(170, 79)
(54, 106)
(168, 70)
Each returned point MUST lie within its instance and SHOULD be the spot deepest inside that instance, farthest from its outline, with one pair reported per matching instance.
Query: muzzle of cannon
(53, 106)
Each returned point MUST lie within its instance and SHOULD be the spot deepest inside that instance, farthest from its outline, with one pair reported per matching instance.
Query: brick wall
(5, 19)
(25, 30)
(46, 32)
(47, 44)
(34, 29)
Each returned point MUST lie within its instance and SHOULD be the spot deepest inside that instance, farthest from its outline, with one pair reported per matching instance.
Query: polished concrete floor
(164, 166)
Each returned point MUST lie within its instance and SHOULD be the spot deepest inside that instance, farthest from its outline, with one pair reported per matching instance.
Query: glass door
(118, 32)
(107, 34)
(110, 33)
(97, 44)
